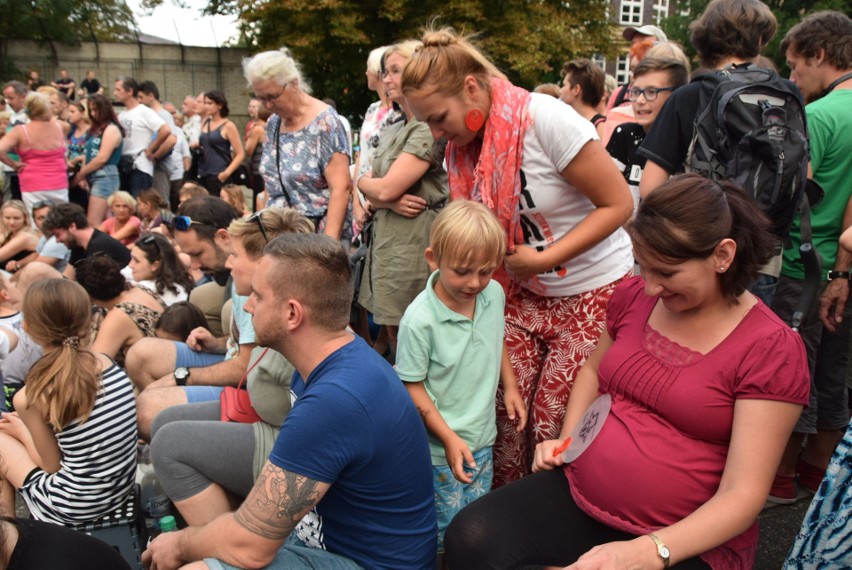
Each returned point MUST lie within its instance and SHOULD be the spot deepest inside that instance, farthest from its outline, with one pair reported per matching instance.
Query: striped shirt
(98, 459)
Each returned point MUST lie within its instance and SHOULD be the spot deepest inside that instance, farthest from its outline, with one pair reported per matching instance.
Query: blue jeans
(138, 181)
(293, 555)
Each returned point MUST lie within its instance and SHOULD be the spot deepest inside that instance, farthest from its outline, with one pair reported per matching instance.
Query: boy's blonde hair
(467, 231)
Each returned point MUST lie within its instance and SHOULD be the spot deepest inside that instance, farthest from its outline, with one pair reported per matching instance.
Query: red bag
(235, 402)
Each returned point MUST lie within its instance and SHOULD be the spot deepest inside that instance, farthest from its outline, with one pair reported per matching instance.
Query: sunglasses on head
(183, 223)
(42, 204)
(257, 218)
(148, 240)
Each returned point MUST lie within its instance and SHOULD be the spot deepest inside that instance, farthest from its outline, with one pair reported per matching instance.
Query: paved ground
(778, 528)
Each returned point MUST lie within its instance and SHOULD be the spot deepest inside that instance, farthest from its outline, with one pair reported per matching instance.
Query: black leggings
(531, 521)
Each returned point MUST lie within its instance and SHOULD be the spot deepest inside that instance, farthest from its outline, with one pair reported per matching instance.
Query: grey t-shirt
(52, 248)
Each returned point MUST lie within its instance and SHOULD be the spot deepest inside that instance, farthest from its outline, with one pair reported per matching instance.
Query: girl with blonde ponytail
(540, 167)
(70, 445)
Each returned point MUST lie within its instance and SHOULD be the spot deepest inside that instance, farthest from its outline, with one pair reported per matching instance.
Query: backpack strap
(834, 84)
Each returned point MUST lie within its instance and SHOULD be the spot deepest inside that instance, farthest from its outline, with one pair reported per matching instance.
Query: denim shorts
(451, 495)
(104, 181)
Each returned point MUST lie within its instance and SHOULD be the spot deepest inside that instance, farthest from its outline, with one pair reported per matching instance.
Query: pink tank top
(45, 169)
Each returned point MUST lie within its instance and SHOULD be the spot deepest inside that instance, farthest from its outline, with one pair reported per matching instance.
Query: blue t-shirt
(354, 426)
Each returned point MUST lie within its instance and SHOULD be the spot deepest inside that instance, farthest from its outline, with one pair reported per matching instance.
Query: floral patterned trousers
(549, 339)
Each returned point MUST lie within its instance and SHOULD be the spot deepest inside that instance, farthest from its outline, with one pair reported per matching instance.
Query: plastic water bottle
(155, 502)
(168, 524)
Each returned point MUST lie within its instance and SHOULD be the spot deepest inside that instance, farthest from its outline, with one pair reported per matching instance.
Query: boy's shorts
(451, 495)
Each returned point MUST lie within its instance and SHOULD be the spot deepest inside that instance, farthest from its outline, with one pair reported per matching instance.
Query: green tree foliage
(527, 39)
(788, 13)
(58, 22)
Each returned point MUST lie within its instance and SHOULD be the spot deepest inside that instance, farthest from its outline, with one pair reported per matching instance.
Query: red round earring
(474, 120)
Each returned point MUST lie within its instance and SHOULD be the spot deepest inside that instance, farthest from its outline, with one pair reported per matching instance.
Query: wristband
(832, 275)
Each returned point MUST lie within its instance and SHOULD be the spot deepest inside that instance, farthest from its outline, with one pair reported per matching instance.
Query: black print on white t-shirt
(531, 230)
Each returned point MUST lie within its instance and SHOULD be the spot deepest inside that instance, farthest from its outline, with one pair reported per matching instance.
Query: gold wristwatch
(662, 550)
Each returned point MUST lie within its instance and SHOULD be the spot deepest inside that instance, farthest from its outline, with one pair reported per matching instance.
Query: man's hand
(832, 303)
(202, 340)
(163, 552)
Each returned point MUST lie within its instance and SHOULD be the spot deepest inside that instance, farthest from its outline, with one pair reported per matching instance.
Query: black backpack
(751, 130)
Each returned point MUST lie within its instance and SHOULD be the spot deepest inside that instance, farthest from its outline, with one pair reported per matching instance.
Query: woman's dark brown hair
(686, 218)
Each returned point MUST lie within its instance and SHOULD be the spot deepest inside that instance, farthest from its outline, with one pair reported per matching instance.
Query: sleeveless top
(98, 459)
(76, 145)
(144, 317)
(93, 147)
(45, 169)
(217, 150)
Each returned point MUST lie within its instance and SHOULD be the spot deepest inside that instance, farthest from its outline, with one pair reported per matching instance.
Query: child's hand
(458, 454)
(11, 424)
(516, 409)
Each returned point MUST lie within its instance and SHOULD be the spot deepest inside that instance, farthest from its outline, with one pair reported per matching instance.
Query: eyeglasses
(650, 93)
(257, 218)
(270, 98)
(183, 223)
(388, 72)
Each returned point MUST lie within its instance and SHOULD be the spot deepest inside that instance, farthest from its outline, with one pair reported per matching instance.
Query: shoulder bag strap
(278, 162)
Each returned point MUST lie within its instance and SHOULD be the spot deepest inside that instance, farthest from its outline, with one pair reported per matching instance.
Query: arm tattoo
(278, 502)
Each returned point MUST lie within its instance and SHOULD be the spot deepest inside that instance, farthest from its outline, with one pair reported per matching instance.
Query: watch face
(664, 551)
(181, 373)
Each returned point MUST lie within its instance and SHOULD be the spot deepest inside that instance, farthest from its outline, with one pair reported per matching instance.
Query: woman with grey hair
(305, 163)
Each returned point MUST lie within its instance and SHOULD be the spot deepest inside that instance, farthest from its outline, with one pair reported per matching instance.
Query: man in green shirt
(817, 52)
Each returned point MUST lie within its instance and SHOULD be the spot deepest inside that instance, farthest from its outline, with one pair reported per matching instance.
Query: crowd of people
(378, 360)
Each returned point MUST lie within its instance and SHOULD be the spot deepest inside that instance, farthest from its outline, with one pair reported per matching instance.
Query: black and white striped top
(98, 459)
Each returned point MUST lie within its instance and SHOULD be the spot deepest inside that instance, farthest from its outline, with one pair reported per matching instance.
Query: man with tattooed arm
(348, 484)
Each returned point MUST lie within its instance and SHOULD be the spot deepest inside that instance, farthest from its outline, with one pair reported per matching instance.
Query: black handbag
(125, 163)
(240, 176)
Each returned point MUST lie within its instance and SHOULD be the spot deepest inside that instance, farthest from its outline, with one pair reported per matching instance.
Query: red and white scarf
(489, 170)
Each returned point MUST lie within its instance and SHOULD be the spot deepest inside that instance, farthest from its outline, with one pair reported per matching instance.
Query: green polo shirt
(458, 360)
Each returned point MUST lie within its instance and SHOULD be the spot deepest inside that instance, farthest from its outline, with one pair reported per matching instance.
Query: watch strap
(831, 275)
(662, 549)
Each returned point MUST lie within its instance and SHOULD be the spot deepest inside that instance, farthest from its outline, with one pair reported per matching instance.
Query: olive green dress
(396, 270)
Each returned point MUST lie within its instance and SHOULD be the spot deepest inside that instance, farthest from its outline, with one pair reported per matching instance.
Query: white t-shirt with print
(140, 124)
(551, 207)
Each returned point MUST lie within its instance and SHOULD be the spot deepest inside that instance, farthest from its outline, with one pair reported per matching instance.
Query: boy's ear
(430, 259)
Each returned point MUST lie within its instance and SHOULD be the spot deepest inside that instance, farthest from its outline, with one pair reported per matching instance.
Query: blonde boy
(451, 355)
